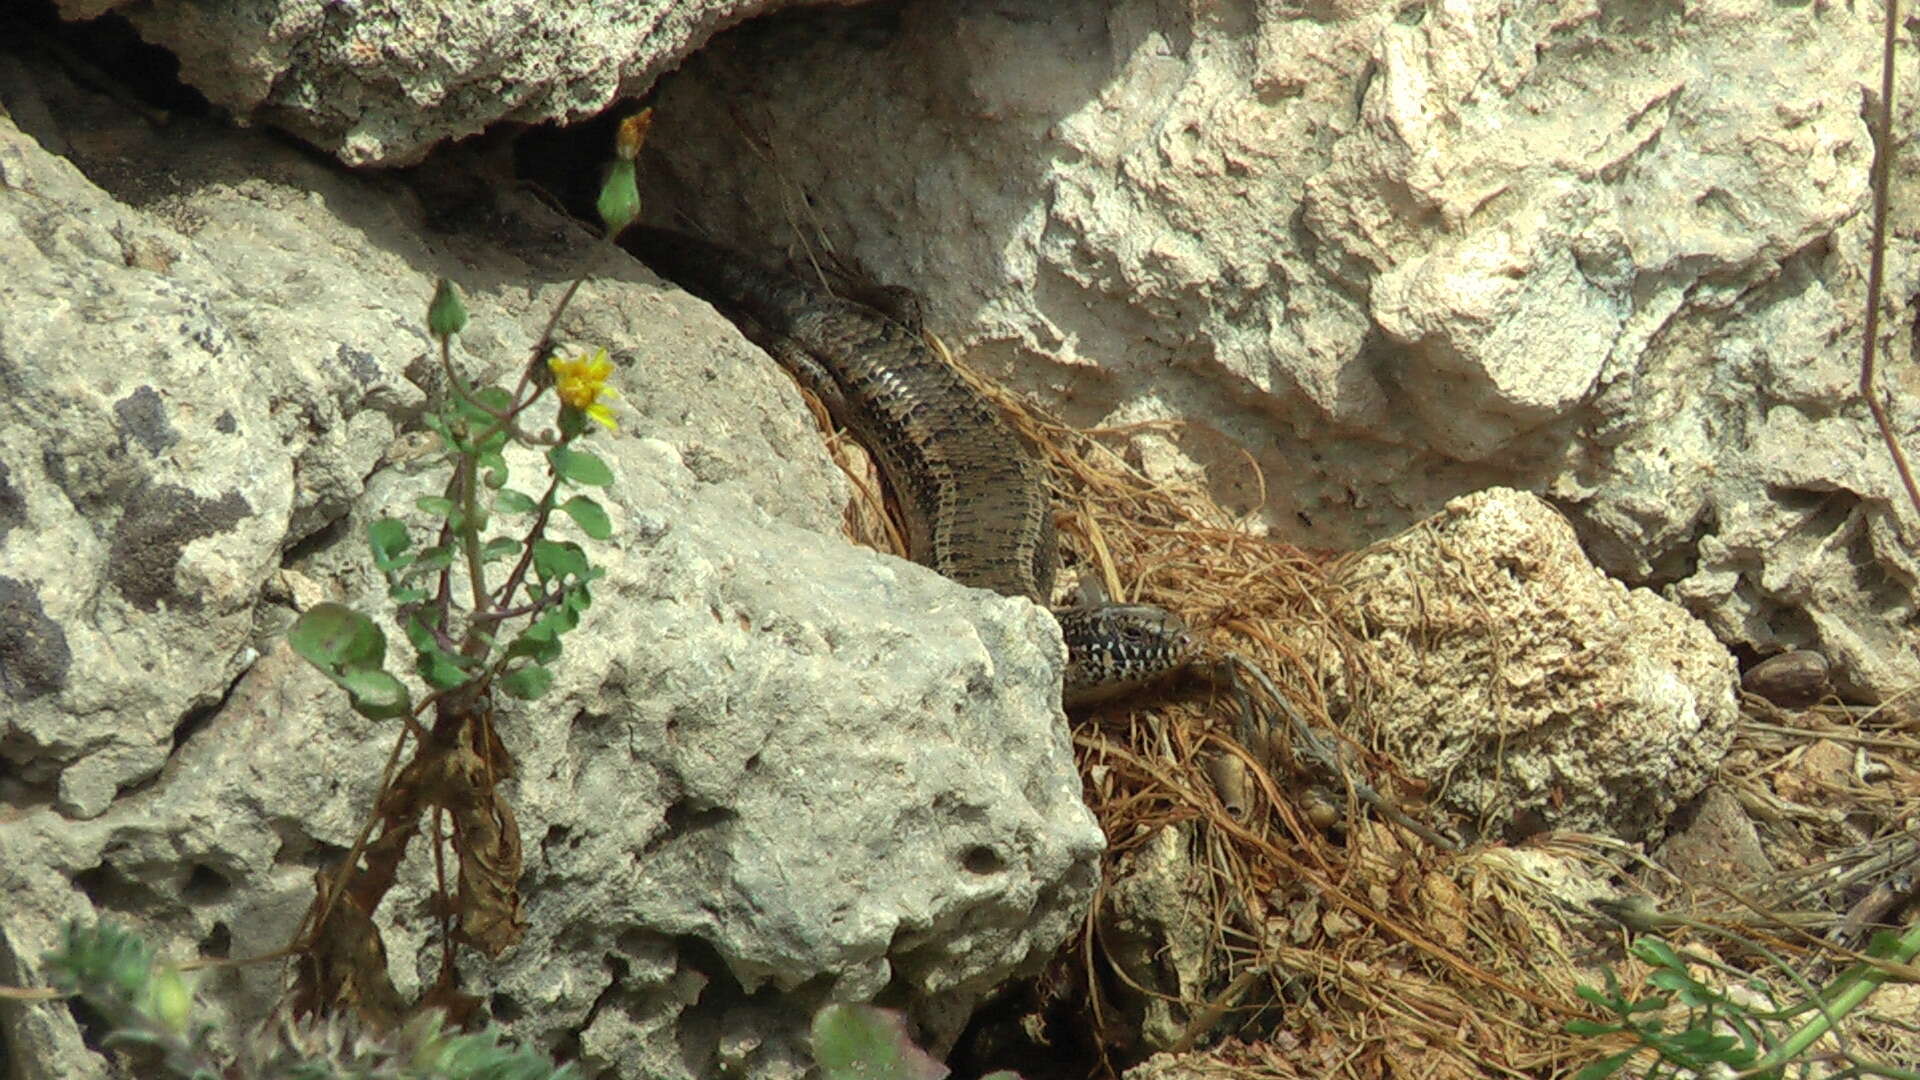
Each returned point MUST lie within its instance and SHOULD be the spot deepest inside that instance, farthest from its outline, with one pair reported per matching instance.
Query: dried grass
(1354, 944)
(1354, 947)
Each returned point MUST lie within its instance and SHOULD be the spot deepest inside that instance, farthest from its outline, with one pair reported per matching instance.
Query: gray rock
(775, 769)
(1529, 689)
(380, 83)
(1617, 261)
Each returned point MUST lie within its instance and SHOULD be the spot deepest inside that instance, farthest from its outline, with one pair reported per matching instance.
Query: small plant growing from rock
(1688, 1027)
(484, 606)
(861, 1042)
(148, 1009)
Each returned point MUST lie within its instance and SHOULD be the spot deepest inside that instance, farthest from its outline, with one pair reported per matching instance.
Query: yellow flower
(582, 382)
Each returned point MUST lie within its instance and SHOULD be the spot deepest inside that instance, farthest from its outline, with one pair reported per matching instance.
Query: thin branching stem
(1877, 257)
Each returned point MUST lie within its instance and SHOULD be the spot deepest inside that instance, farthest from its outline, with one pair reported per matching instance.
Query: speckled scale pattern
(975, 502)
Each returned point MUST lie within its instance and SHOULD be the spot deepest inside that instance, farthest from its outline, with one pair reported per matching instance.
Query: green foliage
(447, 314)
(861, 1042)
(149, 1008)
(619, 202)
(350, 649)
(1720, 1033)
(541, 580)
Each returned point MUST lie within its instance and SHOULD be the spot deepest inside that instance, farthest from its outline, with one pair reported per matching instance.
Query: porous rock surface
(1528, 689)
(774, 769)
(381, 82)
(1611, 255)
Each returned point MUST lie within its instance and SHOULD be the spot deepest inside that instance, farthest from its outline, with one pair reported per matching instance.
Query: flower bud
(632, 133)
(446, 315)
(619, 197)
(169, 1000)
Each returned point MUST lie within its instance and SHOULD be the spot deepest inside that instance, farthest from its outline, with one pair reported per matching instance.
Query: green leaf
(349, 648)
(579, 466)
(579, 598)
(389, 540)
(558, 559)
(538, 642)
(1606, 1066)
(419, 630)
(509, 501)
(437, 424)
(437, 667)
(375, 694)
(446, 315)
(563, 619)
(333, 637)
(406, 594)
(1885, 945)
(619, 201)
(1703, 1042)
(434, 558)
(495, 442)
(1589, 1027)
(495, 397)
(589, 516)
(476, 413)
(101, 958)
(437, 505)
(1674, 981)
(526, 683)
(496, 468)
(860, 1042)
(500, 547)
(1658, 953)
(1595, 997)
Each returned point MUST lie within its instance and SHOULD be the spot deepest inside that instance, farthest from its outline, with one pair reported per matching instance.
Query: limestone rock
(380, 82)
(774, 769)
(1714, 845)
(1616, 259)
(1154, 927)
(1530, 689)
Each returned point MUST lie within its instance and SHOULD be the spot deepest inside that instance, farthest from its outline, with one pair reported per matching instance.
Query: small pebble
(1791, 680)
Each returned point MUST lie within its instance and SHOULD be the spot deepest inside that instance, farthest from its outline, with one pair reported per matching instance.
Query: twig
(1877, 259)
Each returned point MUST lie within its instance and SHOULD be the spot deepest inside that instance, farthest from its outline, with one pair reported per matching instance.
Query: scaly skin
(975, 504)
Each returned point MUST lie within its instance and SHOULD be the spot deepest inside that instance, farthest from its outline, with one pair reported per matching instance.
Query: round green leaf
(509, 501)
(589, 516)
(554, 558)
(333, 637)
(860, 1042)
(527, 682)
(376, 695)
(388, 538)
(579, 466)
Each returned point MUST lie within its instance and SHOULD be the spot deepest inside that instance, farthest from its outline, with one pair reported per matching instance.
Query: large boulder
(775, 769)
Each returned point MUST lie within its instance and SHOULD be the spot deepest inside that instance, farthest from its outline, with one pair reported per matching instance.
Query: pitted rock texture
(380, 82)
(774, 769)
(1527, 688)
(1612, 256)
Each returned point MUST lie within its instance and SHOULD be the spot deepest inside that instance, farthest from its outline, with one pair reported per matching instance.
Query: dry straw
(1345, 934)
(1362, 947)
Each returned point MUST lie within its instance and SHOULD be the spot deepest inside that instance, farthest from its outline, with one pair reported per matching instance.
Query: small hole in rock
(505, 1009)
(981, 859)
(218, 943)
(205, 885)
